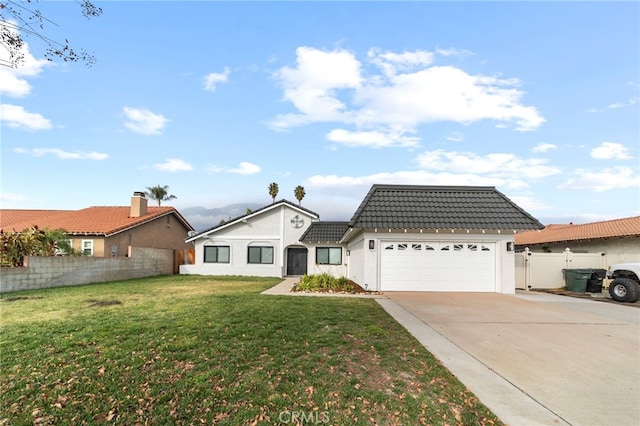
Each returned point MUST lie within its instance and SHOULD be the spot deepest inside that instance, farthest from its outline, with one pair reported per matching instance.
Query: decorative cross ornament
(297, 222)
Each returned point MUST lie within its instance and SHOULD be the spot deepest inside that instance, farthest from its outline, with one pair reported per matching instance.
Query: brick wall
(46, 272)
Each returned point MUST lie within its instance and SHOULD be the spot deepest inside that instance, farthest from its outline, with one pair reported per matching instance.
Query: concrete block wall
(47, 272)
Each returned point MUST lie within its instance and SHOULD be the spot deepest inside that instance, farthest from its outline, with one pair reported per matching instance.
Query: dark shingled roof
(440, 207)
(324, 231)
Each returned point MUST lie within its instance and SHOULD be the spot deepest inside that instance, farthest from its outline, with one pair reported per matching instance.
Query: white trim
(90, 248)
(244, 219)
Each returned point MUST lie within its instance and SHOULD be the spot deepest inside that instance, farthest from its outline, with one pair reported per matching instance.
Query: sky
(219, 99)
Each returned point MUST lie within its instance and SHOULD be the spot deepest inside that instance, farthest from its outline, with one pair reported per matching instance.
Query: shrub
(325, 282)
(32, 242)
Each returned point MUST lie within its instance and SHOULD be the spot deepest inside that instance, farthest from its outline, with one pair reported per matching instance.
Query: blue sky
(218, 99)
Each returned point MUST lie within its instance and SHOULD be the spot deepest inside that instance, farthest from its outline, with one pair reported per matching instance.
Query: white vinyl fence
(544, 270)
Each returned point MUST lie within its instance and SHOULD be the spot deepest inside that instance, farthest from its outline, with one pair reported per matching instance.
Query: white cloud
(414, 177)
(374, 139)
(544, 147)
(529, 203)
(390, 63)
(603, 180)
(213, 79)
(611, 151)
(453, 52)
(312, 85)
(503, 165)
(632, 101)
(144, 121)
(17, 117)
(628, 103)
(11, 197)
(13, 81)
(173, 165)
(245, 168)
(455, 137)
(330, 86)
(63, 155)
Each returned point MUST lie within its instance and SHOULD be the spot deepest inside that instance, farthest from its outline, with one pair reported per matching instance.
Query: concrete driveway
(533, 358)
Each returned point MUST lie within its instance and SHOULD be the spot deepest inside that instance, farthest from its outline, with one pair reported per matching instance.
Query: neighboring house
(402, 237)
(108, 231)
(619, 239)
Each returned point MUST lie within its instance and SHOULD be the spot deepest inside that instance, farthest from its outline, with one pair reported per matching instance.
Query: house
(619, 239)
(401, 238)
(108, 231)
(265, 242)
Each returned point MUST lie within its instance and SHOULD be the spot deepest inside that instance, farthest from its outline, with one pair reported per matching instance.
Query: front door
(296, 261)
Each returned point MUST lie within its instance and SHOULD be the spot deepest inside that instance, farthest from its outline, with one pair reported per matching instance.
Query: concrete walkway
(532, 358)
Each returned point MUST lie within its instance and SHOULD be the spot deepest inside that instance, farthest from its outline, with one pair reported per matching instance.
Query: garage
(435, 238)
(438, 266)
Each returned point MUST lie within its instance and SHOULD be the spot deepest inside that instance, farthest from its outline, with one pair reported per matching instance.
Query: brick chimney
(138, 204)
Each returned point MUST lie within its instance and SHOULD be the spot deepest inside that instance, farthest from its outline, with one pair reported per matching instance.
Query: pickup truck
(625, 286)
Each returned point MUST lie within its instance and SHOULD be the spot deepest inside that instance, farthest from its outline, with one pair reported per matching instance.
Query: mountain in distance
(202, 218)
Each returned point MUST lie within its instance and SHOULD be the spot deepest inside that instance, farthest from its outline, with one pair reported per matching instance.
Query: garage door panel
(438, 266)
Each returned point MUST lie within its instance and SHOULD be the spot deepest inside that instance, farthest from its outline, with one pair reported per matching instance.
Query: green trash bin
(576, 279)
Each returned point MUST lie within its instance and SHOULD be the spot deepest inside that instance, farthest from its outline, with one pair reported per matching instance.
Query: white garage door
(438, 266)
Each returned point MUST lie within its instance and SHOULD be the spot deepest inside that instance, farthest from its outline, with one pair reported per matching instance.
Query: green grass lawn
(205, 350)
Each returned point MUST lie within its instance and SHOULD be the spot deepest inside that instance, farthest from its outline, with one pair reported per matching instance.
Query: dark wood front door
(296, 261)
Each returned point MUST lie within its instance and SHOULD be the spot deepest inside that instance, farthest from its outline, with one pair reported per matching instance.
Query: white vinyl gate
(544, 270)
(438, 266)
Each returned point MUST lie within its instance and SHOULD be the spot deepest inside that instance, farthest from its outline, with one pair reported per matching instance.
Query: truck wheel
(623, 290)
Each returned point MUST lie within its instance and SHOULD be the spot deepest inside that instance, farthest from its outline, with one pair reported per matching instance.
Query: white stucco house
(401, 238)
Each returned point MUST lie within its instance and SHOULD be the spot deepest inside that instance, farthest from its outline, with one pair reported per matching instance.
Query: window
(216, 254)
(388, 247)
(260, 255)
(329, 255)
(416, 246)
(64, 248)
(402, 246)
(87, 247)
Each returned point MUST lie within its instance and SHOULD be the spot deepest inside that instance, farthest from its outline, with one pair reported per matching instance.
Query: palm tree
(159, 193)
(273, 191)
(299, 193)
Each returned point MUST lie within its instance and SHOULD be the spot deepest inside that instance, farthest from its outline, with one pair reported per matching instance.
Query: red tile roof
(627, 227)
(90, 221)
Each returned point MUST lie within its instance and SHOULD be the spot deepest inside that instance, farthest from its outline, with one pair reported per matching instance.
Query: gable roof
(324, 232)
(254, 213)
(625, 227)
(104, 221)
(440, 207)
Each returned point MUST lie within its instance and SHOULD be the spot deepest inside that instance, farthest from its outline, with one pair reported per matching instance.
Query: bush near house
(32, 242)
(327, 283)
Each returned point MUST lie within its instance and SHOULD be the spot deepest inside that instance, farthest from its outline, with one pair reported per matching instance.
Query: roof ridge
(444, 187)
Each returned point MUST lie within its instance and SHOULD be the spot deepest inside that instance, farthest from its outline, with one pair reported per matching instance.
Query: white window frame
(87, 245)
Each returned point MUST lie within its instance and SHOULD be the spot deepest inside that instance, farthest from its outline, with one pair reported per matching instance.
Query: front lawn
(191, 349)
